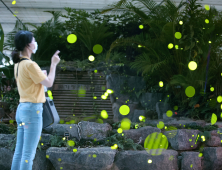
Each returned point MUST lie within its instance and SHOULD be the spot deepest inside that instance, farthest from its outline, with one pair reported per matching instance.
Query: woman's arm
(45, 72)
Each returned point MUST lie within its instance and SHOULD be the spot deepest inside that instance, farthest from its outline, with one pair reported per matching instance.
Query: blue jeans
(29, 129)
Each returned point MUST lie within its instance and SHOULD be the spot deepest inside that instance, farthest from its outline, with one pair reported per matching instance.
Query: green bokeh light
(170, 46)
(141, 26)
(156, 143)
(125, 124)
(219, 99)
(175, 107)
(169, 113)
(190, 91)
(71, 38)
(178, 35)
(124, 110)
(97, 49)
(192, 65)
(207, 7)
(213, 119)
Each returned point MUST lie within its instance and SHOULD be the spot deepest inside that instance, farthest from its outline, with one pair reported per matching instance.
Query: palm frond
(149, 5)
(2, 35)
(179, 80)
(136, 40)
(91, 34)
(9, 44)
(143, 63)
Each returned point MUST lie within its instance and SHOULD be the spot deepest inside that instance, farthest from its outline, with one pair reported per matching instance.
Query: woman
(29, 79)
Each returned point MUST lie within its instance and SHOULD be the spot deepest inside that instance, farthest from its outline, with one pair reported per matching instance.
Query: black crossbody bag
(50, 114)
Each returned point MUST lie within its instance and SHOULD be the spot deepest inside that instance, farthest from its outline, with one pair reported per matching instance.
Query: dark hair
(22, 38)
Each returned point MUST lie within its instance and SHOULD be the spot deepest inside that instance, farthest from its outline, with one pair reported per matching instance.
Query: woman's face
(32, 45)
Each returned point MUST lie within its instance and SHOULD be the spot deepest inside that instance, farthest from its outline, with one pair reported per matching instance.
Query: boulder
(183, 122)
(149, 100)
(215, 139)
(40, 161)
(137, 113)
(93, 130)
(99, 158)
(118, 117)
(140, 134)
(182, 139)
(60, 129)
(116, 83)
(138, 160)
(212, 157)
(162, 108)
(191, 160)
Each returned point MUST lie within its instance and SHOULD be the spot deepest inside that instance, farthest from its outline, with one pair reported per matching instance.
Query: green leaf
(192, 44)
(89, 135)
(2, 39)
(186, 48)
(138, 94)
(200, 51)
(192, 34)
(120, 146)
(184, 37)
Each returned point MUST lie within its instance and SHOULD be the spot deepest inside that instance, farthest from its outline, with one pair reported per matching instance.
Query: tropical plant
(7, 128)
(121, 26)
(7, 70)
(12, 98)
(92, 34)
(198, 38)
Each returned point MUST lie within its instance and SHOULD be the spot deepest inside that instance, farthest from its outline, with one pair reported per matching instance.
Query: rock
(109, 159)
(82, 159)
(143, 132)
(219, 132)
(186, 122)
(219, 124)
(180, 139)
(179, 160)
(212, 157)
(60, 129)
(162, 108)
(40, 161)
(149, 100)
(2, 113)
(112, 98)
(183, 122)
(4, 138)
(118, 117)
(165, 117)
(137, 113)
(215, 139)
(126, 97)
(154, 122)
(138, 160)
(116, 83)
(92, 130)
(191, 160)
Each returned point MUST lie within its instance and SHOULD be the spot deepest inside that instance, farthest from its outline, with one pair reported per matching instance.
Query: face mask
(36, 47)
